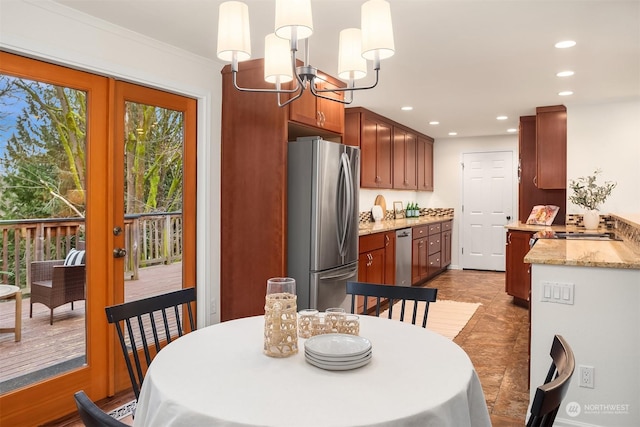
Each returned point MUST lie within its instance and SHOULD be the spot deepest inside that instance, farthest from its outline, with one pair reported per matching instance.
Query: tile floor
(496, 339)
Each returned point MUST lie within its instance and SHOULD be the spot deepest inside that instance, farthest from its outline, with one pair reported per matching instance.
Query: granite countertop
(521, 226)
(365, 228)
(587, 253)
(584, 253)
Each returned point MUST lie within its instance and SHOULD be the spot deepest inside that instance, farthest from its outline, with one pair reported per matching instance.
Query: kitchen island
(589, 292)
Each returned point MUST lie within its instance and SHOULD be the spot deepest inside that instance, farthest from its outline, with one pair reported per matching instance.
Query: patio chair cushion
(74, 257)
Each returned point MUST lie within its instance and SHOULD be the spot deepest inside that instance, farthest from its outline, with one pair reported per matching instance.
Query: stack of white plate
(337, 352)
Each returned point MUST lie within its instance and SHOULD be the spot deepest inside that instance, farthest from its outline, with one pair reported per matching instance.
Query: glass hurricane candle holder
(280, 318)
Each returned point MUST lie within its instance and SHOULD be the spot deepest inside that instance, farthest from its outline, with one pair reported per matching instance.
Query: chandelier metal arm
(316, 93)
(246, 89)
(349, 88)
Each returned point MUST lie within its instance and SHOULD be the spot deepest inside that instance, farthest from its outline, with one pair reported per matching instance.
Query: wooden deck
(46, 350)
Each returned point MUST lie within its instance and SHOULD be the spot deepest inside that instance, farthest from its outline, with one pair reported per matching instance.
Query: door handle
(119, 253)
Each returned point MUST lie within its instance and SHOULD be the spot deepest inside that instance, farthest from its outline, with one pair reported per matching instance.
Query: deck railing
(150, 239)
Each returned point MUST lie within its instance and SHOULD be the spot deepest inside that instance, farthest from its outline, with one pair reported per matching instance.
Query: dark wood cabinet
(405, 144)
(518, 273)
(374, 134)
(420, 254)
(434, 249)
(254, 135)
(424, 162)
(529, 195)
(431, 250)
(551, 147)
(392, 155)
(376, 262)
(318, 112)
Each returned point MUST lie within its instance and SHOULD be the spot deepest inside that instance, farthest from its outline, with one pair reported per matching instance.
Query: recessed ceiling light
(406, 108)
(565, 73)
(512, 130)
(565, 93)
(434, 123)
(502, 118)
(453, 133)
(565, 44)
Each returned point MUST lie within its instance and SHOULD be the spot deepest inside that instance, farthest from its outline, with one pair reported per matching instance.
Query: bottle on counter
(409, 212)
(417, 209)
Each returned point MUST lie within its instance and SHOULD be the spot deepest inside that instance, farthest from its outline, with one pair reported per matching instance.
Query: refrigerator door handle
(341, 276)
(345, 207)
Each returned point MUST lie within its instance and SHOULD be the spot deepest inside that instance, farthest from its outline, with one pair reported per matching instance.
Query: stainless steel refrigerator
(322, 215)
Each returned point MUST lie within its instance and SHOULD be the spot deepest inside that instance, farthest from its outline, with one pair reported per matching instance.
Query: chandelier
(293, 23)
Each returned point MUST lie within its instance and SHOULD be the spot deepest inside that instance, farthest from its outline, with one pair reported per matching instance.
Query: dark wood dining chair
(395, 294)
(91, 415)
(150, 324)
(549, 396)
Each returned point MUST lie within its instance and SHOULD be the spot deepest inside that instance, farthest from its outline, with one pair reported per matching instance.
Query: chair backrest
(91, 415)
(393, 294)
(548, 397)
(141, 320)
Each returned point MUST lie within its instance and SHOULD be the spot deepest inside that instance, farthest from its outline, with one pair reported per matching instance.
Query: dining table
(219, 376)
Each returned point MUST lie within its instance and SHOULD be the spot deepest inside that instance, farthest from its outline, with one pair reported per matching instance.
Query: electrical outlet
(586, 376)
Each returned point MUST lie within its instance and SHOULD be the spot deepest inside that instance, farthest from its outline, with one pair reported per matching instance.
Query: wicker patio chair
(54, 284)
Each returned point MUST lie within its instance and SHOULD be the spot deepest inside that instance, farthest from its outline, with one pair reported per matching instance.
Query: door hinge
(462, 251)
(462, 164)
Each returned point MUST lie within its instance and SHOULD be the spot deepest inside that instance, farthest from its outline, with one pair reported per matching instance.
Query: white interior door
(487, 208)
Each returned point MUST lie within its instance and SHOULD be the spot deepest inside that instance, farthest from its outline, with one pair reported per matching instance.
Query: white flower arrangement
(587, 193)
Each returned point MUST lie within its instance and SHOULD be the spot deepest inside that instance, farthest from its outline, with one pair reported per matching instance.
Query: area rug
(445, 317)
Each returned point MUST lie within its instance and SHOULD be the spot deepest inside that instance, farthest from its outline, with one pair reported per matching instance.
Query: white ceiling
(461, 63)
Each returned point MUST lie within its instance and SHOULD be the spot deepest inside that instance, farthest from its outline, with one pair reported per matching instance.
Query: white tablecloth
(219, 376)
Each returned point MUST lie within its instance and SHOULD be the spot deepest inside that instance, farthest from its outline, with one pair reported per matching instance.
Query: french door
(129, 181)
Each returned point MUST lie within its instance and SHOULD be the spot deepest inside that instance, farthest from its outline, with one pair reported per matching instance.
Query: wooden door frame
(128, 92)
(28, 406)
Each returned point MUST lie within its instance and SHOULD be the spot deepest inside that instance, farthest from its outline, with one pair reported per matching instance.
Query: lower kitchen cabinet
(431, 250)
(376, 262)
(419, 254)
(518, 273)
(435, 259)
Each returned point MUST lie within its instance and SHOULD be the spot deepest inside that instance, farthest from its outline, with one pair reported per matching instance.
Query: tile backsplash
(389, 214)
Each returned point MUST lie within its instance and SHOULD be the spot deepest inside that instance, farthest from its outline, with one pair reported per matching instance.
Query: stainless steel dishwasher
(403, 257)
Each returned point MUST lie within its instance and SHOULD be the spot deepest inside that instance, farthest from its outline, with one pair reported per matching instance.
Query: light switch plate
(560, 293)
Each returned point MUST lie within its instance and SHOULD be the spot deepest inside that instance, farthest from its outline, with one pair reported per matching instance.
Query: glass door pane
(43, 136)
(153, 171)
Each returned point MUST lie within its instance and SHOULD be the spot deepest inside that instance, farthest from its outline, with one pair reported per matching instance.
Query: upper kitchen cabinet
(529, 194)
(321, 113)
(374, 134)
(405, 144)
(425, 163)
(551, 147)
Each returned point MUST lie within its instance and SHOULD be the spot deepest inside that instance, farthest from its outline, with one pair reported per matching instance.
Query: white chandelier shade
(351, 63)
(277, 65)
(293, 22)
(377, 30)
(234, 37)
(293, 19)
